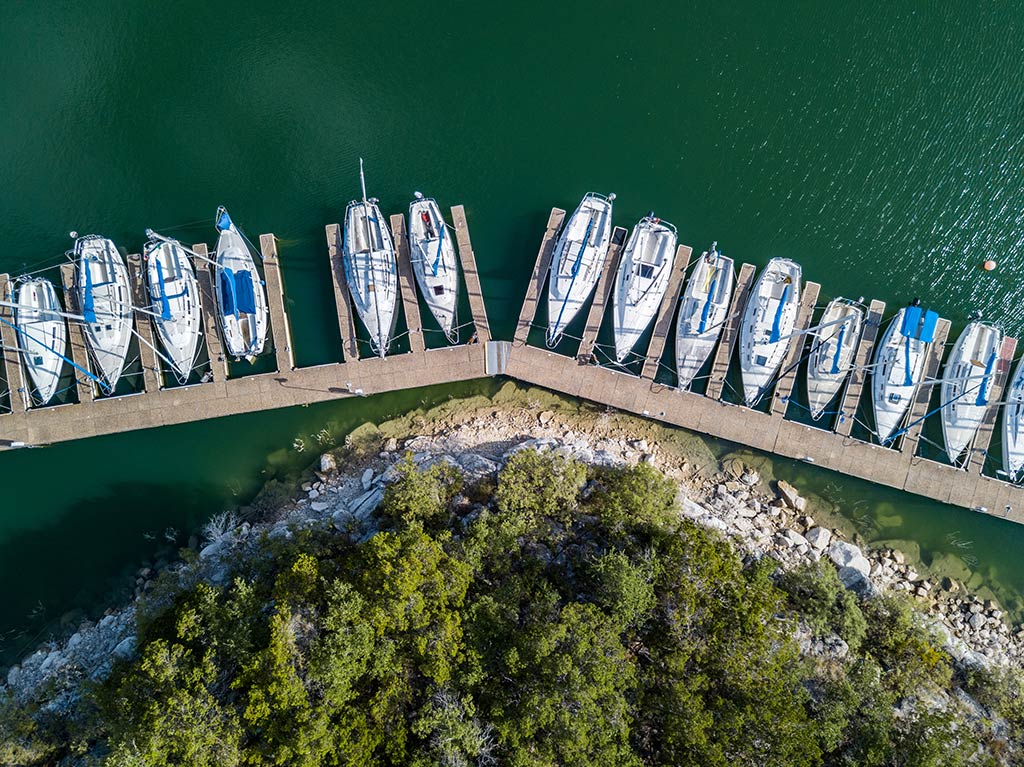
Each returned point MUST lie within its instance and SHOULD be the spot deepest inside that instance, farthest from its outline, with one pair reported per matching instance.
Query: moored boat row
(768, 328)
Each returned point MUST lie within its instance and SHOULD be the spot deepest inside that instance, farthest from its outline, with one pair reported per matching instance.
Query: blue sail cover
(983, 391)
(919, 323)
(776, 334)
(931, 319)
(223, 221)
(437, 260)
(227, 294)
(88, 302)
(165, 305)
(245, 293)
(839, 349)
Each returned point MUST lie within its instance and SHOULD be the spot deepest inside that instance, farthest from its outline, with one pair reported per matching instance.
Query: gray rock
(328, 464)
(367, 479)
(314, 493)
(477, 465)
(857, 581)
(794, 539)
(320, 506)
(125, 648)
(750, 478)
(819, 537)
(976, 621)
(789, 494)
(391, 445)
(847, 555)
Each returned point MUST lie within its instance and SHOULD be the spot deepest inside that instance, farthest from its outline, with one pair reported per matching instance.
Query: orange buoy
(989, 265)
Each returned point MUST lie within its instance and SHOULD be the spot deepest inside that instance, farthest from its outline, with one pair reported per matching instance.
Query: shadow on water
(98, 531)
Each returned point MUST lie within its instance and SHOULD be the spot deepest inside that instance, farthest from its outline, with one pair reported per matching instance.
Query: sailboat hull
(966, 381)
(895, 376)
(641, 282)
(702, 313)
(174, 292)
(576, 262)
(104, 295)
(371, 272)
(434, 264)
(42, 336)
(768, 323)
(1013, 425)
(834, 345)
(241, 297)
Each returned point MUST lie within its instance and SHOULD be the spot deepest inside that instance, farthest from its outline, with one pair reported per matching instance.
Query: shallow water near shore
(879, 149)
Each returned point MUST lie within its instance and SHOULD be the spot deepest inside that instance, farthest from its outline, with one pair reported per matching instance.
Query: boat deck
(577, 376)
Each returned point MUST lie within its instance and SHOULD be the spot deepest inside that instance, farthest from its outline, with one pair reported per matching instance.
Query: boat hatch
(646, 271)
(37, 360)
(760, 359)
(439, 290)
(895, 397)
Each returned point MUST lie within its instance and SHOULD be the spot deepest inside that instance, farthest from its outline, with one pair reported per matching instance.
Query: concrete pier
(723, 355)
(471, 275)
(666, 313)
(771, 432)
(342, 298)
(540, 274)
(406, 284)
(85, 386)
(211, 333)
(602, 294)
(14, 375)
(854, 386)
(791, 362)
(279, 328)
(143, 325)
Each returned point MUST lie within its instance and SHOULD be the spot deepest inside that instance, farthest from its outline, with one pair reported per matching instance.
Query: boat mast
(381, 351)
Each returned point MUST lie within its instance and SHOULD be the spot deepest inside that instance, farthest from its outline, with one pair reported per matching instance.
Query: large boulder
(847, 555)
(790, 495)
(819, 538)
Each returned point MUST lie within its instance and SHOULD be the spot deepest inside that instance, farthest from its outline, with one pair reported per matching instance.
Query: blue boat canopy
(227, 293)
(245, 293)
(89, 302)
(223, 221)
(919, 323)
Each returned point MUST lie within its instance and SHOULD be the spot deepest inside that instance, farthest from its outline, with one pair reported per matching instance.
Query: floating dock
(769, 430)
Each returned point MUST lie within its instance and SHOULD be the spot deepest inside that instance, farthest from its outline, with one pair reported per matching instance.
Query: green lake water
(881, 148)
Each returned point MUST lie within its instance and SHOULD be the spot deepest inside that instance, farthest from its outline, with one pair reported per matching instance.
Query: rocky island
(526, 580)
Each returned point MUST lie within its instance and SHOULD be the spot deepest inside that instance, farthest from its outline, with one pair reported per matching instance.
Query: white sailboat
(768, 323)
(577, 260)
(967, 385)
(42, 335)
(1013, 426)
(833, 346)
(368, 255)
(241, 297)
(174, 293)
(702, 313)
(104, 296)
(641, 281)
(899, 367)
(434, 263)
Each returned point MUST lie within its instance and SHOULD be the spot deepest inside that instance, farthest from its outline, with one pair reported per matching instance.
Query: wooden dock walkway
(602, 294)
(834, 450)
(20, 397)
(666, 313)
(342, 299)
(854, 386)
(85, 386)
(791, 362)
(143, 325)
(406, 282)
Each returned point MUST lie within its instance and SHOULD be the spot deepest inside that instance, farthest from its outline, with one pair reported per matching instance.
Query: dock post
(861, 359)
(723, 355)
(786, 382)
(666, 313)
(471, 275)
(342, 301)
(923, 395)
(417, 341)
(84, 386)
(285, 355)
(208, 305)
(984, 436)
(11, 358)
(143, 325)
(540, 273)
(603, 294)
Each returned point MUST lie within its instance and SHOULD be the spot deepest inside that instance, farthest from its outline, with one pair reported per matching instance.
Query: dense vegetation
(561, 615)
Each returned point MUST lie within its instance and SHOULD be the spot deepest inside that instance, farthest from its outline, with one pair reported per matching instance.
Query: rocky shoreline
(763, 518)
